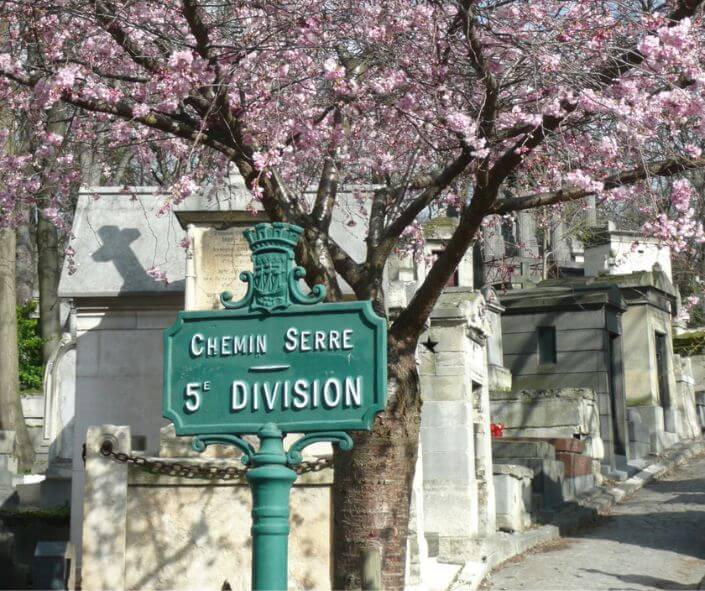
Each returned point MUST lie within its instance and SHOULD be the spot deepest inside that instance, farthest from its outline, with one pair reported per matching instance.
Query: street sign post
(278, 361)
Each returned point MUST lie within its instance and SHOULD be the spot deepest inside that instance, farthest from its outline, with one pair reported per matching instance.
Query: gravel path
(655, 540)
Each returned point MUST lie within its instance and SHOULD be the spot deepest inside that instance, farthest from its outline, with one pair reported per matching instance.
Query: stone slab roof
(639, 279)
(118, 236)
(567, 296)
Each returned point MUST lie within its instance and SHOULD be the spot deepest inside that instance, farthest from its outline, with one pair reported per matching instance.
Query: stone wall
(118, 381)
(147, 531)
(640, 324)
(195, 534)
(688, 424)
(698, 365)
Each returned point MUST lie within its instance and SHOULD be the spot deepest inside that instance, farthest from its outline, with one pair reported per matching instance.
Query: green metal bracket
(201, 442)
(295, 456)
(271, 478)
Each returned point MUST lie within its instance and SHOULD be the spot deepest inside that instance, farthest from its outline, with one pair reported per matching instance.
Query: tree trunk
(373, 482)
(26, 254)
(11, 417)
(48, 271)
(48, 259)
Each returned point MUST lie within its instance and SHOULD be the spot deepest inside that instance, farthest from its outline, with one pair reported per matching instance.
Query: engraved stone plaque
(219, 256)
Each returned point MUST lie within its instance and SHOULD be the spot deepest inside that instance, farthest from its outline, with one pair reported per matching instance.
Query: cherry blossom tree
(427, 102)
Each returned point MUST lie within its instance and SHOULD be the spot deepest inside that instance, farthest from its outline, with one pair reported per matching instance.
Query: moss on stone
(60, 515)
(640, 401)
(691, 343)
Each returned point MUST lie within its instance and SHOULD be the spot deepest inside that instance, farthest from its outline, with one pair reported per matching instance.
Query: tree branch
(410, 322)
(107, 18)
(628, 177)
(435, 186)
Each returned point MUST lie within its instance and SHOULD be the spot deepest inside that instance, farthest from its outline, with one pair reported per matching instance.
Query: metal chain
(201, 471)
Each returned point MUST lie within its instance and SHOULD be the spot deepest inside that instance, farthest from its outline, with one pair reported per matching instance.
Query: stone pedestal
(457, 459)
(416, 545)
(512, 486)
(105, 510)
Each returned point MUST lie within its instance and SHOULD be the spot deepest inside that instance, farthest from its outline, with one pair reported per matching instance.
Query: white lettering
(193, 397)
(331, 384)
(305, 336)
(240, 345)
(316, 394)
(300, 394)
(290, 340)
(252, 344)
(334, 340)
(347, 333)
(255, 396)
(270, 396)
(226, 346)
(261, 343)
(353, 392)
(238, 398)
(196, 346)
(211, 346)
(319, 341)
(285, 402)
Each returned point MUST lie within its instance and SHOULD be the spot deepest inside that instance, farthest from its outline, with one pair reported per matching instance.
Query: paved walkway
(655, 540)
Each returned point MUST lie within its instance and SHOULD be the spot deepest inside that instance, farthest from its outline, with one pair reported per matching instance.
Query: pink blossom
(181, 60)
(158, 275)
(140, 110)
(581, 180)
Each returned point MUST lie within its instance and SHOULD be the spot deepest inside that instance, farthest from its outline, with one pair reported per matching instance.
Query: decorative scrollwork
(226, 298)
(295, 456)
(201, 442)
(318, 292)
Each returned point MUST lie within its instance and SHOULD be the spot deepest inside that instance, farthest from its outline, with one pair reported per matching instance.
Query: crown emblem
(273, 284)
(275, 236)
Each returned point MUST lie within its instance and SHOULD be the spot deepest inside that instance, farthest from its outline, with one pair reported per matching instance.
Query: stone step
(612, 474)
(522, 448)
(60, 469)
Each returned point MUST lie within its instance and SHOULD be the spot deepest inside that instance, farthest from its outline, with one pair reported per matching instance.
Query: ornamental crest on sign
(271, 290)
(274, 283)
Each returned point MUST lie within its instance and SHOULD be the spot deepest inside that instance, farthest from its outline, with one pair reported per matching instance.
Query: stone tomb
(113, 374)
(570, 337)
(459, 506)
(156, 531)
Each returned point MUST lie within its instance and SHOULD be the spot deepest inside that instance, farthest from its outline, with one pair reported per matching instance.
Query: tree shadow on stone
(678, 532)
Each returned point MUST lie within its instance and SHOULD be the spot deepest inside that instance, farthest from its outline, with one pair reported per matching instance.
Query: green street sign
(277, 356)
(275, 362)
